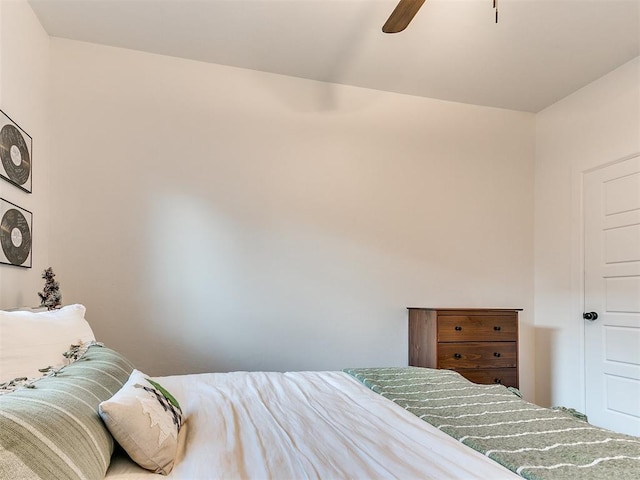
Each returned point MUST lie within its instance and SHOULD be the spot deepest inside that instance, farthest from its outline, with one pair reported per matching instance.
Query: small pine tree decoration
(51, 295)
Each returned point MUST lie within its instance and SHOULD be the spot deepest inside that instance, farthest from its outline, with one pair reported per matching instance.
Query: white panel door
(612, 291)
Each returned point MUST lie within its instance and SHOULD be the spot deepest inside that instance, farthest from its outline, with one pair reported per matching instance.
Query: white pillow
(30, 341)
(145, 419)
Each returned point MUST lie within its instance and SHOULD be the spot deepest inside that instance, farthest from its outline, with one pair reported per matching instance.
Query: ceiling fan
(404, 13)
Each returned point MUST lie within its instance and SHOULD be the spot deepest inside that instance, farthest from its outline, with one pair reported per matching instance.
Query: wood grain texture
(480, 344)
(456, 356)
(402, 15)
(478, 328)
(422, 333)
(486, 376)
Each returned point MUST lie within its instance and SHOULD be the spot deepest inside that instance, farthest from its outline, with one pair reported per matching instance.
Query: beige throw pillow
(145, 419)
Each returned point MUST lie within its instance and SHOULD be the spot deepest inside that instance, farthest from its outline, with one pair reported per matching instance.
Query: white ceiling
(539, 52)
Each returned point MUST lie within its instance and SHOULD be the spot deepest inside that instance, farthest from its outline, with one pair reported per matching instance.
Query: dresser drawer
(503, 376)
(477, 328)
(477, 355)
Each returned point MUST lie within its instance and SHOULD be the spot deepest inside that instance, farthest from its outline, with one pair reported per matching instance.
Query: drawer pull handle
(457, 355)
(496, 354)
(497, 328)
(498, 381)
(458, 328)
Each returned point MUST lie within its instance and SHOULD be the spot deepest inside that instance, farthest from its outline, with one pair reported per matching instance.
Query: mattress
(304, 425)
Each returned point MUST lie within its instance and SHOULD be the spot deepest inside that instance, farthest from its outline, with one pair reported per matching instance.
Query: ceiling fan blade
(402, 15)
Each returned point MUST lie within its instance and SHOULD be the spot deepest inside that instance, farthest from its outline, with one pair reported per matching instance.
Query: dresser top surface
(479, 309)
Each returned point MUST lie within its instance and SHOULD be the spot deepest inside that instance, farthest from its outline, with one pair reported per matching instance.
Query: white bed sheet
(305, 425)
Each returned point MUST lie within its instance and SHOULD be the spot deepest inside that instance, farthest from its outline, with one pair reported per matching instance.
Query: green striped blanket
(536, 443)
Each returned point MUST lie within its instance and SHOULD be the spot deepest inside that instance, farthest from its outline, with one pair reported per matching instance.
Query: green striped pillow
(53, 431)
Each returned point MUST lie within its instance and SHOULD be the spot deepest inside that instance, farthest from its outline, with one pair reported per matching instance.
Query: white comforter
(303, 425)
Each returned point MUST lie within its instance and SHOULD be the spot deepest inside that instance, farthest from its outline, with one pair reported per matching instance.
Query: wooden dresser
(480, 344)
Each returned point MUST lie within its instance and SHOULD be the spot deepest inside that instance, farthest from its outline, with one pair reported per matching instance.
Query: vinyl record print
(15, 234)
(15, 153)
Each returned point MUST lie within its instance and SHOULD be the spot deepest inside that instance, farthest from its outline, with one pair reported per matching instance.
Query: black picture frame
(16, 235)
(16, 154)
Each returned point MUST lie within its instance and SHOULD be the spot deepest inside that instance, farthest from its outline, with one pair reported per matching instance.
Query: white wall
(213, 218)
(24, 75)
(233, 219)
(594, 126)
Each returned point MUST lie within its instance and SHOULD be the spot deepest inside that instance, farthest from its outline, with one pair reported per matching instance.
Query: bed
(359, 423)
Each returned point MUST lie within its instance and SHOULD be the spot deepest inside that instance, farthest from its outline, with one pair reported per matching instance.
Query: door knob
(590, 316)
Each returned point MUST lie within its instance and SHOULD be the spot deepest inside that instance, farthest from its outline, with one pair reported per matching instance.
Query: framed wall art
(16, 227)
(15, 153)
